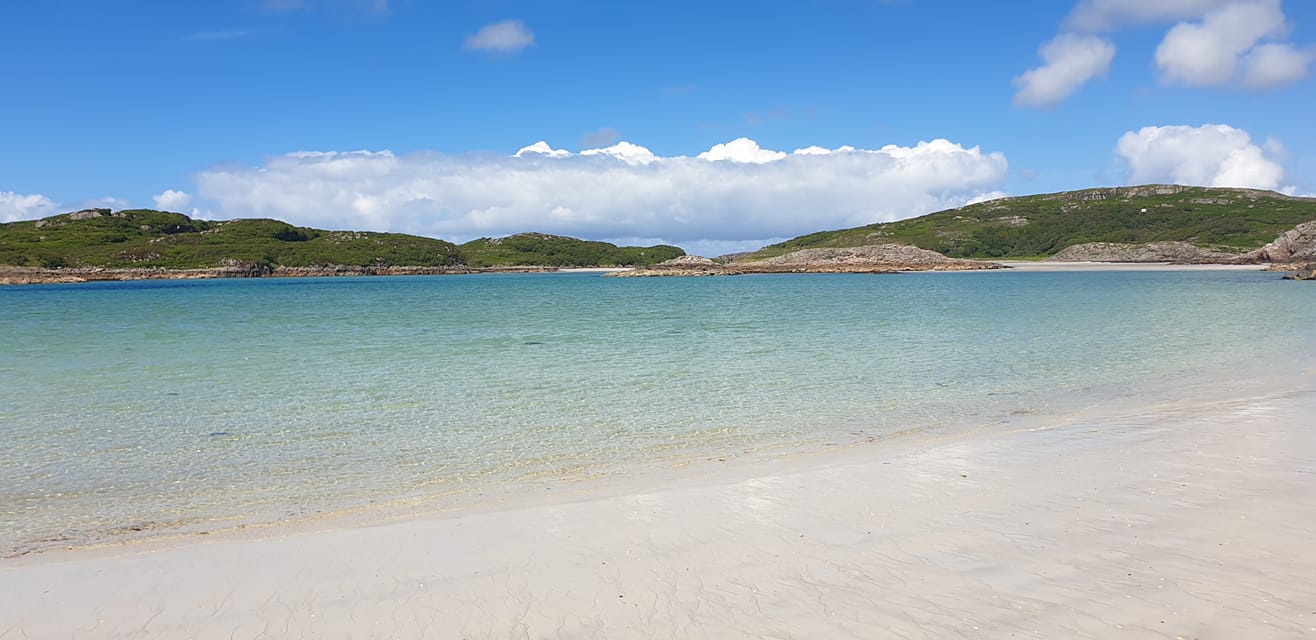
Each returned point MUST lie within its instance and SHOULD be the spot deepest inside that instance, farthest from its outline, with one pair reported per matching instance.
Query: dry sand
(1047, 265)
(1192, 521)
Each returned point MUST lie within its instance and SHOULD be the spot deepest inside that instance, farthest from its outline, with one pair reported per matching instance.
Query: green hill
(557, 251)
(143, 238)
(1232, 220)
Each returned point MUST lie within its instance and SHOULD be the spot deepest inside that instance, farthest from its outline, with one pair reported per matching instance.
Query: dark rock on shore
(1304, 272)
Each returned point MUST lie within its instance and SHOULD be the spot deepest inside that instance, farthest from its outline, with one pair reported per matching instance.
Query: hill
(1231, 221)
(541, 249)
(143, 239)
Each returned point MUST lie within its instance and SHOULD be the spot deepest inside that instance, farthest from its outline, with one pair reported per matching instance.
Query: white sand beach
(1193, 520)
(1047, 265)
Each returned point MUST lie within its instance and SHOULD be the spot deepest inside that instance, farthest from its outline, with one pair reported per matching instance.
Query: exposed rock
(87, 214)
(1295, 245)
(866, 258)
(1013, 221)
(874, 258)
(679, 266)
(1179, 252)
(1304, 272)
(230, 269)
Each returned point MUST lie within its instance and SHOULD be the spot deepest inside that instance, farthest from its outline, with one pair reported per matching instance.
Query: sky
(715, 126)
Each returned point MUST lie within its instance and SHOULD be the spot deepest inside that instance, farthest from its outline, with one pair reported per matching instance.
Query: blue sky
(408, 115)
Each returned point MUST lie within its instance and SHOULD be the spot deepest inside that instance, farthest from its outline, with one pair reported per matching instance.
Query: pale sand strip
(1194, 522)
(1027, 265)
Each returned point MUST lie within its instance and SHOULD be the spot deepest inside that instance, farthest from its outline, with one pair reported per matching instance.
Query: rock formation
(876, 258)
(1295, 245)
(1178, 252)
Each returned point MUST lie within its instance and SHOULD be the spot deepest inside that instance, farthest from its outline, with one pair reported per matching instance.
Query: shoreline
(13, 275)
(1190, 518)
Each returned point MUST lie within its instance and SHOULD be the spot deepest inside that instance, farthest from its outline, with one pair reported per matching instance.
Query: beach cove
(1153, 478)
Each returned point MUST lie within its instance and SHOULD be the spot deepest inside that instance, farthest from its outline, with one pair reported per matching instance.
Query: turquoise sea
(153, 408)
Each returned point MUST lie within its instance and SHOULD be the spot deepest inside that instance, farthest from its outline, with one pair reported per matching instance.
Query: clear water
(131, 409)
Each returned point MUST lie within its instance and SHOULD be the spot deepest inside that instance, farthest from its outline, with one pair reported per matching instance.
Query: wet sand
(1193, 520)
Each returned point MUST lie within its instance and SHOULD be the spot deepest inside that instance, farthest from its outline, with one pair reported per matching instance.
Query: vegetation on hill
(146, 238)
(143, 238)
(1232, 220)
(557, 251)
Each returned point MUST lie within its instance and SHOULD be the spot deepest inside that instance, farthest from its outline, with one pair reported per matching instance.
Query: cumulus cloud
(1208, 52)
(1276, 64)
(508, 36)
(1211, 43)
(172, 200)
(17, 206)
(734, 195)
(1104, 15)
(1214, 155)
(743, 150)
(1068, 62)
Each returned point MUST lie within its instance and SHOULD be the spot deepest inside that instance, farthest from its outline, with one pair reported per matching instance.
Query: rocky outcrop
(1295, 245)
(680, 266)
(230, 269)
(872, 258)
(876, 258)
(1177, 252)
(1304, 272)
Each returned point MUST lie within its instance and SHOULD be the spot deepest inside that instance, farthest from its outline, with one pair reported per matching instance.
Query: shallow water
(132, 409)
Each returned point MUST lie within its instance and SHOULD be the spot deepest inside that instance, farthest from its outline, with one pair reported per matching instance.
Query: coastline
(1188, 518)
(12, 275)
(1045, 265)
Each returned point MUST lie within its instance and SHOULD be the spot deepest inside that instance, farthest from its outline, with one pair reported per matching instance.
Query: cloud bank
(734, 194)
(17, 206)
(1215, 155)
(1212, 43)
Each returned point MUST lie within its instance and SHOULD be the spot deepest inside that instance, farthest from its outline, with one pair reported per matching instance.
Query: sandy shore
(1192, 520)
(1046, 265)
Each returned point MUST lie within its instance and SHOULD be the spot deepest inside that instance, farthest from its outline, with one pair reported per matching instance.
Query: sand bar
(1192, 520)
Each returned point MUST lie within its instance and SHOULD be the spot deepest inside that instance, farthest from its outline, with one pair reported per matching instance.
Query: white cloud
(1214, 155)
(1069, 61)
(1105, 15)
(172, 200)
(623, 191)
(742, 150)
(626, 152)
(1275, 64)
(17, 206)
(508, 36)
(1212, 43)
(1208, 52)
(542, 148)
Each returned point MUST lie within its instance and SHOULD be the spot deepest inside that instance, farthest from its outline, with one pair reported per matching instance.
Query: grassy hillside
(557, 251)
(1234, 220)
(147, 238)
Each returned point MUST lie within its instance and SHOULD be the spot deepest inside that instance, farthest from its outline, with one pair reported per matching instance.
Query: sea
(140, 410)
